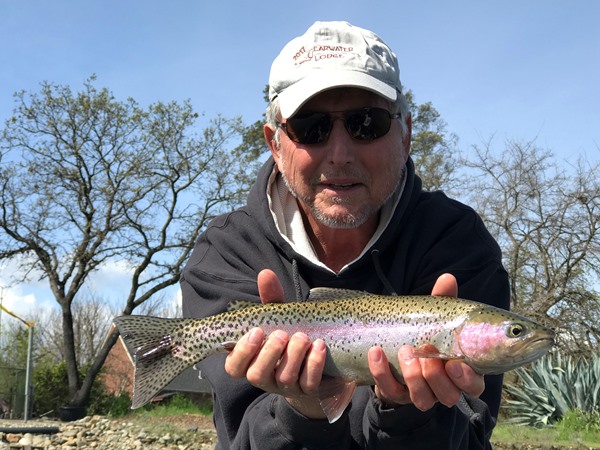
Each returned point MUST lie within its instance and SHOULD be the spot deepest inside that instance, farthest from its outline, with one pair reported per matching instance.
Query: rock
(41, 441)
(12, 438)
(26, 440)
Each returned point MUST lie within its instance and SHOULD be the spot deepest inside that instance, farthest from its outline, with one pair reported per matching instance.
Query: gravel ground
(185, 432)
(136, 432)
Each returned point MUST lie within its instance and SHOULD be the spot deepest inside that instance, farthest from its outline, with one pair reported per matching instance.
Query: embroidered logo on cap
(321, 52)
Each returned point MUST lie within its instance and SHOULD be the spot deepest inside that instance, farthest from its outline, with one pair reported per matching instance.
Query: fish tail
(155, 351)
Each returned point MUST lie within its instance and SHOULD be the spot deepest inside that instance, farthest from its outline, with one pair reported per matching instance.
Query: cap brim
(294, 96)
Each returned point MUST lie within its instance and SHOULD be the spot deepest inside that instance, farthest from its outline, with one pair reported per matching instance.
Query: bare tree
(433, 149)
(546, 217)
(87, 181)
(92, 318)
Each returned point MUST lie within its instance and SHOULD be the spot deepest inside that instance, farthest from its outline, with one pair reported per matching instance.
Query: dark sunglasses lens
(368, 124)
(309, 129)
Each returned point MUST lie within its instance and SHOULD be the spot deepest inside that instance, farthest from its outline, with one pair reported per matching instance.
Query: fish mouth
(540, 346)
(525, 352)
(543, 340)
(531, 349)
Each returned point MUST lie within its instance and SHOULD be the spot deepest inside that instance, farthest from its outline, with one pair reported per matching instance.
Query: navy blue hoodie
(429, 235)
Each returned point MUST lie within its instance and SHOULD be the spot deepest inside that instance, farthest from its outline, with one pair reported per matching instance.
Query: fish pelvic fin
(154, 350)
(335, 394)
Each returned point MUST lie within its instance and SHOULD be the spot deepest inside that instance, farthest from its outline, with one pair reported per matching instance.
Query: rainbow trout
(489, 339)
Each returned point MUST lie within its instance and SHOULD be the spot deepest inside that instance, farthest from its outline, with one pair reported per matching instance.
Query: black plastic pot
(71, 413)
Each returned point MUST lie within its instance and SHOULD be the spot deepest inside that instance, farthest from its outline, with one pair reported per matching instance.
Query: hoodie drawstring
(296, 278)
(379, 271)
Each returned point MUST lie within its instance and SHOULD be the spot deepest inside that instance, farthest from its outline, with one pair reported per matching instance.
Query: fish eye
(515, 330)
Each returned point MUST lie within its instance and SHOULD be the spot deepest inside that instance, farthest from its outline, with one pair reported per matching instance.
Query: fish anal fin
(335, 394)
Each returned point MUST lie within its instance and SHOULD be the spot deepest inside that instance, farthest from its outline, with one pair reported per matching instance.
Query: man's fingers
(310, 377)
(261, 372)
(445, 285)
(240, 358)
(440, 384)
(269, 287)
(387, 388)
(288, 370)
(421, 394)
(465, 378)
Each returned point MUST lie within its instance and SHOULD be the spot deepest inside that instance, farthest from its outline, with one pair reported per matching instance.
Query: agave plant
(544, 392)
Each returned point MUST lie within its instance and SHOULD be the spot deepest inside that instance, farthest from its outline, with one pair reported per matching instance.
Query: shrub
(51, 388)
(577, 421)
(118, 405)
(550, 387)
(52, 391)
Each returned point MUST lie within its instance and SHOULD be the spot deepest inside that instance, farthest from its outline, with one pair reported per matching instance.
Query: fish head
(494, 341)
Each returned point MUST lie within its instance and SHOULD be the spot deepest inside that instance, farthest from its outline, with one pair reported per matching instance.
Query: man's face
(343, 182)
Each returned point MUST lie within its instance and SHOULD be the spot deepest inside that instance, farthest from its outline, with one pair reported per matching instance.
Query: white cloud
(18, 302)
(175, 301)
(111, 283)
(24, 298)
(112, 276)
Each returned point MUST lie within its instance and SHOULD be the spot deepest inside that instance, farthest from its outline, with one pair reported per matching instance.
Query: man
(339, 205)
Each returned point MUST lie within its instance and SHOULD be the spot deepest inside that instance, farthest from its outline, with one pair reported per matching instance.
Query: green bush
(178, 404)
(549, 388)
(576, 420)
(51, 391)
(118, 405)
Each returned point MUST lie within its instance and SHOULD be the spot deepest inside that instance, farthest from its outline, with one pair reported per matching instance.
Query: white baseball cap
(330, 55)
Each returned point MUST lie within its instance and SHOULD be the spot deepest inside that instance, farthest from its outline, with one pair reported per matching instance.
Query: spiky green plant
(550, 387)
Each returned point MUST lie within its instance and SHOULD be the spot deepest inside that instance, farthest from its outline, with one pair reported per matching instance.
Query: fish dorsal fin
(235, 305)
(321, 294)
(335, 394)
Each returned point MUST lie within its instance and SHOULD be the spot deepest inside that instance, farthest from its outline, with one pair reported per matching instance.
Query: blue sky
(519, 69)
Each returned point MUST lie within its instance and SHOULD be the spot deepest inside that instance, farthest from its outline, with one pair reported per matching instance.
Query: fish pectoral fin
(227, 346)
(335, 394)
(429, 351)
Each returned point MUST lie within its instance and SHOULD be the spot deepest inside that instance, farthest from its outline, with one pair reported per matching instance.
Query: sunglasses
(365, 124)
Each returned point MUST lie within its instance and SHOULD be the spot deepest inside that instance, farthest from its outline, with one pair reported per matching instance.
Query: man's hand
(426, 380)
(291, 366)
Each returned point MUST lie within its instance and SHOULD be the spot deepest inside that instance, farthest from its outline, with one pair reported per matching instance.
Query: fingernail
(375, 355)
(454, 370)
(280, 334)
(255, 337)
(319, 345)
(406, 353)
